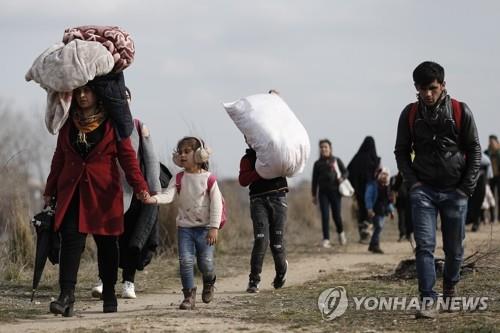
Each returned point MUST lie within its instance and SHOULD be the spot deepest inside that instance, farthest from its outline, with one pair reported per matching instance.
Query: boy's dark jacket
(259, 185)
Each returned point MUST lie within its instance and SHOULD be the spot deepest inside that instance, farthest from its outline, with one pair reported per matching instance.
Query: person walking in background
(328, 172)
(85, 181)
(199, 217)
(493, 153)
(379, 204)
(442, 135)
(476, 200)
(362, 169)
(402, 204)
(131, 257)
(268, 209)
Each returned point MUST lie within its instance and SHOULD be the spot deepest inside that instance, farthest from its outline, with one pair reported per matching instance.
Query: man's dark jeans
(426, 203)
(269, 217)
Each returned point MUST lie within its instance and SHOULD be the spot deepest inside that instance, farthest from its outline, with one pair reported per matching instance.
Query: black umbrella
(47, 245)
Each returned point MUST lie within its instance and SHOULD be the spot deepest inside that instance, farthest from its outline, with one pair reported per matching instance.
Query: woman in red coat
(85, 181)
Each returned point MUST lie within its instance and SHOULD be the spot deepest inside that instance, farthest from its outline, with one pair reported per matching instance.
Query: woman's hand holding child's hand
(150, 201)
(212, 236)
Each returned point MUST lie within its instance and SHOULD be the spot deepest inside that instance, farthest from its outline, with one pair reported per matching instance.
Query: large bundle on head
(87, 53)
(274, 132)
(115, 39)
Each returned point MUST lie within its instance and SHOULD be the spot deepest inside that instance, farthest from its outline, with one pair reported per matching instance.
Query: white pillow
(274, 132)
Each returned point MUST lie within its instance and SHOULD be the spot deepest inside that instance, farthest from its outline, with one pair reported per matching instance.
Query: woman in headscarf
(85, 182)
(362, 169)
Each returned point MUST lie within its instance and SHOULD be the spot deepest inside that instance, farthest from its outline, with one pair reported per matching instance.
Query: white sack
(274, 132)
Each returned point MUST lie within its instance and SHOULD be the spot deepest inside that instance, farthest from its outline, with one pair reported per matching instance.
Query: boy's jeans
(426, 203)
(193, 242)
(269, 218)
(378, 225)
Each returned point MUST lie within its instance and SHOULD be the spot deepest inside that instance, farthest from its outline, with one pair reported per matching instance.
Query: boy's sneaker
(326, 244)
(375, 249)
(342, 238)
(253, 287)
(279, 279)
(97, 290)
(128, 290)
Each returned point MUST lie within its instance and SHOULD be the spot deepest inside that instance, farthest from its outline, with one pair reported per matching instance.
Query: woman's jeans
(269, 217)
(192, 243)
(329, 199)
(426, 203)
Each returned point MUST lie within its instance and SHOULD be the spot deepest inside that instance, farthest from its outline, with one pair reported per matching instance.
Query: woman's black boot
(64, 304)
(110, 303)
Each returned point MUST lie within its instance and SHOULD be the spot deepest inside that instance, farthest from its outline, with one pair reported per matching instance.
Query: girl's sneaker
(326, 244)
(128, 290)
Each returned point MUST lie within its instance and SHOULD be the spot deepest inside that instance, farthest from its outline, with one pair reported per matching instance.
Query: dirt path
(159, 312)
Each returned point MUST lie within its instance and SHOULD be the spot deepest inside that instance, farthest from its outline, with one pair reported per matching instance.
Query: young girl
(198, 219)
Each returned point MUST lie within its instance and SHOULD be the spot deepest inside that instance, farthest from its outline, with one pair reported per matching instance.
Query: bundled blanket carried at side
(116, 40)
(274, 132)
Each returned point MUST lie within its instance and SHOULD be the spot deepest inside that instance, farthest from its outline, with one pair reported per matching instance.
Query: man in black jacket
(441, 177)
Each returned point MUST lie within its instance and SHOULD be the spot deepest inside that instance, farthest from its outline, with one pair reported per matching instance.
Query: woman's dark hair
(328, 142)
(428, 71)
(325, 141)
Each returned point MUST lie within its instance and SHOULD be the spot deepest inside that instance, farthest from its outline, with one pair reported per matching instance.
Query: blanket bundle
(116, 40)
(87, 53)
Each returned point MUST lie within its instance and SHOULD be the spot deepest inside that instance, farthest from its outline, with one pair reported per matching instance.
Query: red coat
(97, 177)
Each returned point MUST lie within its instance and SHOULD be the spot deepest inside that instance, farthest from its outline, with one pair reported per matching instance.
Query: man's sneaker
(279, 279)
(253, 287)
(427, 311)
(97, 290)
(448, 294)
(326, 244)
(342, 238)
(128, 290)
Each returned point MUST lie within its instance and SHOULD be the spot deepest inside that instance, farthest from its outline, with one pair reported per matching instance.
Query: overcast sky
(344, 67)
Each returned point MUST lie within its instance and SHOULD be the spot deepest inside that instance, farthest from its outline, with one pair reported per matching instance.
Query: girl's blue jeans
(192, 244)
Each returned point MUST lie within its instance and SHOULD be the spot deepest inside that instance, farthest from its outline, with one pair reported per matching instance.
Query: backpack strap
(456, 107)
(411, 117)
(457, 113)
(211, 182)
(178, 179)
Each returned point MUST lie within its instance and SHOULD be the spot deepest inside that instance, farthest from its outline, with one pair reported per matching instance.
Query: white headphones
(201, 155)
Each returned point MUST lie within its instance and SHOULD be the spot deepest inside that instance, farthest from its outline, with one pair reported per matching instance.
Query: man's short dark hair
(428, 71)
(493, 137)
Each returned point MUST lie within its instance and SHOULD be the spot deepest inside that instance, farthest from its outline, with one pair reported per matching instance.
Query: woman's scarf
(87, 123)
